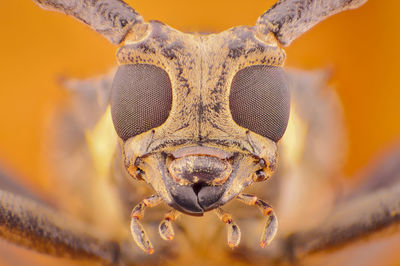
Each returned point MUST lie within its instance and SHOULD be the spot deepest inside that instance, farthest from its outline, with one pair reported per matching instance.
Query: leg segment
(271, 225)
(138, 233)
(166, 229)
(38, 227)
(233, 230)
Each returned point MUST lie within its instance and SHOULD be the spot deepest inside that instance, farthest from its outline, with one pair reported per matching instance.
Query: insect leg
(166, 229)
(271, 225)
(36, 226)
(370, 213)
(233, 230)
(137, 230)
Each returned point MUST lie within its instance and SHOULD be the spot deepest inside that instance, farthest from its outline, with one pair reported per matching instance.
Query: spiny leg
(271, 225)
(233, 230)
(138, 233)
(166, 229)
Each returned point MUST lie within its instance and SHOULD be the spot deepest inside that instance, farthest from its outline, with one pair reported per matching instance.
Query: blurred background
(38, 47)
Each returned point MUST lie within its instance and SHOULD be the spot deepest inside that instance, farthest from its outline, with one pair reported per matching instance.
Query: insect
(177, 154)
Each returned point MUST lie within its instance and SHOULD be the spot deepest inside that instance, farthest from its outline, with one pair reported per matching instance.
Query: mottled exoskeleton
(199, 119)
(199, 116)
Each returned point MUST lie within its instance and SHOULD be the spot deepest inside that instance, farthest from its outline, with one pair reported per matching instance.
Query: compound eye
(141, 99)
(260, 100)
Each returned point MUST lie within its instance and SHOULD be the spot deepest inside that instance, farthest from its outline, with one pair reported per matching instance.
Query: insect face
(199, 116)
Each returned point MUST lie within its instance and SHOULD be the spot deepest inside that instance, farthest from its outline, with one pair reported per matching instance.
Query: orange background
(37, 46)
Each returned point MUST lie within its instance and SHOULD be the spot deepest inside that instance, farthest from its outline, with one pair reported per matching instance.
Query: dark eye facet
(260, 100)
(141, 99)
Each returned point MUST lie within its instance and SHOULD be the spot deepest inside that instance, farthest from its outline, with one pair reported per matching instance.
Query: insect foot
(271, 225)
